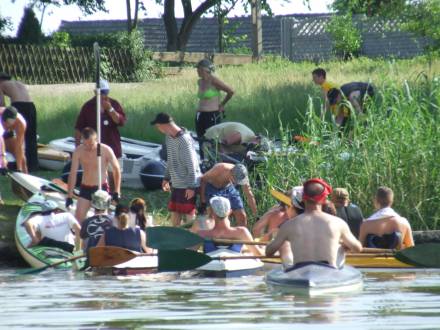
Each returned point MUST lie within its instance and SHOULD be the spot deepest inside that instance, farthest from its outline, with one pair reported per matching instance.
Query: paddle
(38, 270)
(422, 255)
(173, 238)
(108, 256)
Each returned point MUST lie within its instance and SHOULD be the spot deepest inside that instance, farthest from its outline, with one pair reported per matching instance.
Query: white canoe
(229, 267)
(52, 159)
(141, 265)
(315, 278)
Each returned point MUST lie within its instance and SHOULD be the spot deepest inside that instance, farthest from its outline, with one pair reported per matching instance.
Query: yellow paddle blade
(281, 197)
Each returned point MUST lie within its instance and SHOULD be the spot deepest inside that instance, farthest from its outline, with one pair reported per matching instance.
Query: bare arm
(260, 225)
(30, 229)
(101, 241)
(250, 198)
(71, 182)
(348, 240)
(408, 240)
(254, 249)
(116, 170)
(144, 246)
(220, 85)
(276, 244)
(77, 229)
(204, 180)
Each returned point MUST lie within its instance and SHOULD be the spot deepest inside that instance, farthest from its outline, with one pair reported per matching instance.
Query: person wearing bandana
(315, 236)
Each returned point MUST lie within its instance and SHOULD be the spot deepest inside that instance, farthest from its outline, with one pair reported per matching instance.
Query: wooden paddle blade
(108, 256)
(423, 255)
(281, 197)
(171, 238)
(181, 260)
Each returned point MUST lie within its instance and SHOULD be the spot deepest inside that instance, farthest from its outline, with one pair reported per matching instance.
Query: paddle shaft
(357, 255)
(37, 270)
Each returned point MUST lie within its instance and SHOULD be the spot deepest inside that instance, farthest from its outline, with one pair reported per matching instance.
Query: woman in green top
(209, 93)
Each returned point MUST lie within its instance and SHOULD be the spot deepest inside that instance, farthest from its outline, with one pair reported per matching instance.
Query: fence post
(257, 30)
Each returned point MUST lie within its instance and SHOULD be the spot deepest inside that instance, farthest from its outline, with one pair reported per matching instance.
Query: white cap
(104, 86)
(101, 200)
(220, 206)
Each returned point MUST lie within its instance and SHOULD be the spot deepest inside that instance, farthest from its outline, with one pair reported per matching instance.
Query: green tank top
(208, 93)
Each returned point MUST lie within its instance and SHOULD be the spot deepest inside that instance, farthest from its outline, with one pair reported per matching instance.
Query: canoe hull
(142, 265)
(230, 267)
(316, 279)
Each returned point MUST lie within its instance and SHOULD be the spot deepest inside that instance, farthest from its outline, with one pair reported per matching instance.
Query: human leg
(176, 219)
(240, 217)
(82, 207)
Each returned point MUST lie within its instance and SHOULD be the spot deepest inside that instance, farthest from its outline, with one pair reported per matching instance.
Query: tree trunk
(136, 15)
(129, 26)
(221, 28)
(170, 22)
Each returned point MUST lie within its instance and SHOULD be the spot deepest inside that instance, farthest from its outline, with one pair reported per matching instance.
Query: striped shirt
(183, 168)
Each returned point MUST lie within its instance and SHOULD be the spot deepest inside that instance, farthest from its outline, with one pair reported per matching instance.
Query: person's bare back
(15, 90)
(220, 175)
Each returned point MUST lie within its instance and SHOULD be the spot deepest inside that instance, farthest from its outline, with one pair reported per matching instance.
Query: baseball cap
(101, 200)
(9, 113)
(220, 206)
(104, 86)
(240, 174)
(162, 118)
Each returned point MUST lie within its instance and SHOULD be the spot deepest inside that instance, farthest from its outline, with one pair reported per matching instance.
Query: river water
(63, 299)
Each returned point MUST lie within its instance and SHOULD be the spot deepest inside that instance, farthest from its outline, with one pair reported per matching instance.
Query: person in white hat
(220, 211)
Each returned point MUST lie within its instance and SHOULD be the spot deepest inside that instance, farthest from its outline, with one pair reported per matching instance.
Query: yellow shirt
(327, 85)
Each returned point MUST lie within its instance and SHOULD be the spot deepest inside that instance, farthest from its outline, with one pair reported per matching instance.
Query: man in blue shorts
(221, 180)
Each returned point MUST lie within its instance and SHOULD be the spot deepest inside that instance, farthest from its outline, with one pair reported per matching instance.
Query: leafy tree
(368, 7)
(5, 24)
(29, 30)
(347, 40)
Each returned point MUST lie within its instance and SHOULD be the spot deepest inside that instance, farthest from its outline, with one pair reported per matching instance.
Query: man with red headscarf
(315, 236)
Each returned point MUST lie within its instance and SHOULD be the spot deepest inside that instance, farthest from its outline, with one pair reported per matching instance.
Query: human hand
(116, 197)
(166, 185)
(69, 202)
(105, 104)
(189, 193)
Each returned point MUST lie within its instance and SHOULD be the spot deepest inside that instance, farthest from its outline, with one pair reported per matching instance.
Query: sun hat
(240, 174)
(220, 206)
(101, 200)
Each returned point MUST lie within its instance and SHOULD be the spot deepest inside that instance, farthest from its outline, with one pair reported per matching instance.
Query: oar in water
(173, 238)
(38, 270)
(423, 255)
(108, 256)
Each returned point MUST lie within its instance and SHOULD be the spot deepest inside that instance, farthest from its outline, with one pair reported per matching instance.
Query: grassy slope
(267, 94)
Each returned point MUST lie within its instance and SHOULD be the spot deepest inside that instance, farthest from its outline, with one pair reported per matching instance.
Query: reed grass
(278, 98)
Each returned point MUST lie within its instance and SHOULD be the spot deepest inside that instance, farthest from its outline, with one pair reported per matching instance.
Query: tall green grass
(278, 97)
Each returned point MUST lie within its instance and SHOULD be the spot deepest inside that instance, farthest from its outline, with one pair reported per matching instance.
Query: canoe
(38, 256)
(367, 261)
(142, 265)
(315, 278)
(229, 267)
(52, 159)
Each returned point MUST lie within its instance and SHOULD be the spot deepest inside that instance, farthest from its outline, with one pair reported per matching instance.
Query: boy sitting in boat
(123, 235)
(315, 236)
(221, 209)
(386, 228)
(54, 228)
(346, 210)
(221, 181)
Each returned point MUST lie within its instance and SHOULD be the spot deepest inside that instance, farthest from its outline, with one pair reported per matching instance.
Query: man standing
(20, 99)
(221, 180)
(86, 156)
(14, 135)
(183, 170)
(112, 116)
(315, 236)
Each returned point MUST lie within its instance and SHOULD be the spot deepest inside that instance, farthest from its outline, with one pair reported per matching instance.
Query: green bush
(347, 40)
(60, 39)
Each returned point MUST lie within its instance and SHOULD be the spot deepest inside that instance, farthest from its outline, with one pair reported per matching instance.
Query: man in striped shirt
(182, 175)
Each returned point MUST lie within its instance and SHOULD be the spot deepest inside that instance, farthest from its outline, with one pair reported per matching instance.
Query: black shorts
(86, 192)
(205, 120)
(8, 134)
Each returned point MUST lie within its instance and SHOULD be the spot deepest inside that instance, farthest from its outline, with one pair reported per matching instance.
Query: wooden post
(257, 30)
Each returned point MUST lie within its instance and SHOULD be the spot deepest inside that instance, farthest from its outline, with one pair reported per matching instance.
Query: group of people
(304, 217)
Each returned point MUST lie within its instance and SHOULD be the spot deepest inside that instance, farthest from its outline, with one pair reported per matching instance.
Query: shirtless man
(314, 235)
(221, 208)
(386, 228)
(20, 99)
(86, 156)
(221, 180)
(15, 127)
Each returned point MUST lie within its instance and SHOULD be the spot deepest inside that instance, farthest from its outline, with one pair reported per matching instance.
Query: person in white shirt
(386, 228)
(50, 228)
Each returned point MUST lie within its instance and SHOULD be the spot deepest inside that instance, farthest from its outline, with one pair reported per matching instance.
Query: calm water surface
(63, 299)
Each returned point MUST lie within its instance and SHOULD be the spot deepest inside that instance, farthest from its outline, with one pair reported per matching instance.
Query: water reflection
(58, 299)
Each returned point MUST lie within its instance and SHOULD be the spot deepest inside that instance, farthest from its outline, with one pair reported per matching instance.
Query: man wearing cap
(54, 228)
(20, 99)
(221, 181)
(220, 209)
(346, 210)
(14, 130)
(182, 175)
(354, 93)
(315, 236)
(86, 156)
(112, 117)
(94, 227)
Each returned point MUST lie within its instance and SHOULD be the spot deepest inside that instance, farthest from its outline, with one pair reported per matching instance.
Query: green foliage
(60, 39)
(230, 37)
(368, 7)
(88, 7)
(86, 40)
(29, 30)
(423, 19)
(347, 40)
(5, 24)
